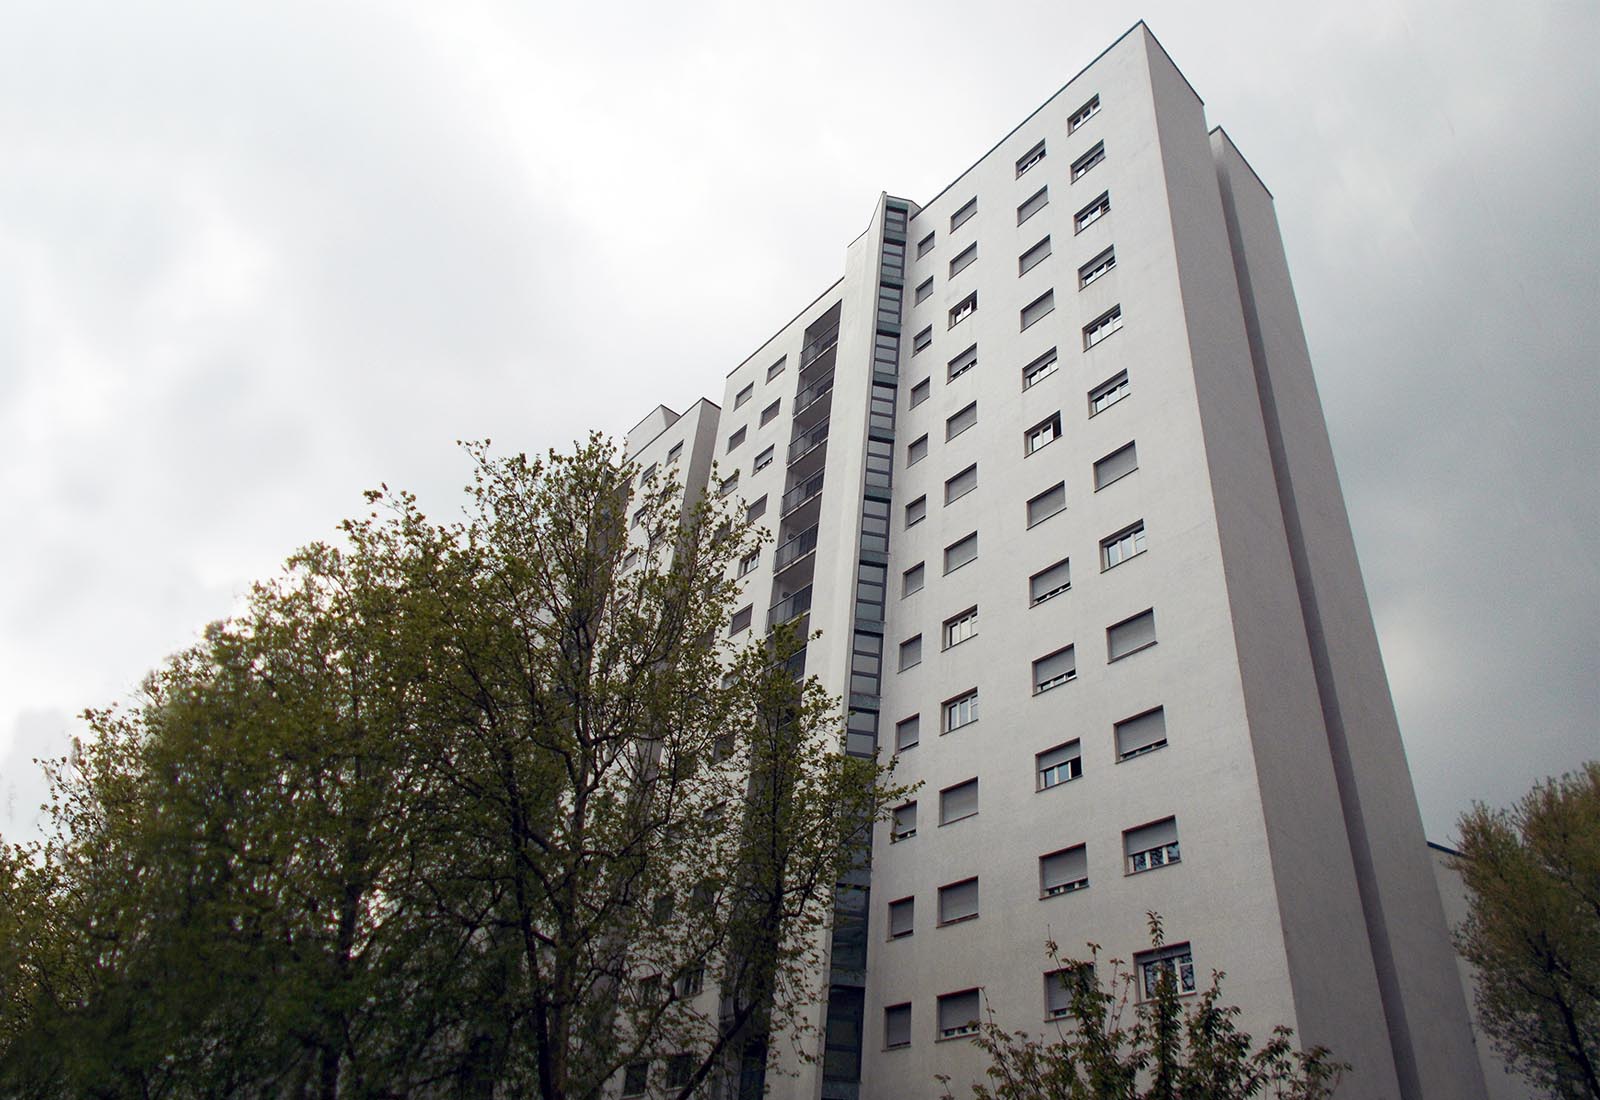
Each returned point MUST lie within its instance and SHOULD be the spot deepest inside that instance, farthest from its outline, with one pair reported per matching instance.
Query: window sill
(1116, 479)
(958, 920)
(1130, 653)
(954, 820)
(1124, 561)
(1045, 519)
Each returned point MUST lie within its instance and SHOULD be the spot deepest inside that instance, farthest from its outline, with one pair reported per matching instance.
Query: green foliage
(446, 808)
(1533, 929)
(1111, 1045)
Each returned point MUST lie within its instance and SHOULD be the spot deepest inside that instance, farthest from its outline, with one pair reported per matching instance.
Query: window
(1054, 670)
(960, 217)
(963, 309)
(748, 563)
(691, 981)
(741, 620)
(1173, 963)
(911, 580)
(1118, 464)
(911, 653)
(680, 1068)
(908, 732)
(1038, 309)
(1059, 765)
(1151, 846)
(1101, 327)
(729, 484)
(770, 413)
(1033, 204)
(736, 439)
(959, 802)
(916, 511)
(777, 368)
(636, 1078)
(903, 823)
(631, 559)
(1029, 159)
(1033, 257)
(1047, 504)
(921, 340)
(1108, 393)
(744, 395)
(672, 455)
(902, 918)
(1131, 635)
(962, 363)
(639, 517)
(925, 246)
(759, 508)
(961, 711)
(1140, 734)
(1048, 583)
(763, 460)
(1063, 872)
(1083, 114)
(1042, 434)
(649, 473)
(960, 552)
(1085, 163)
(919, 392)
(924, 291)
(960, 485)
(1061, 985)
(916, 451)
(1092, 213)
(958, 1014)
(897, 1026)
(964, 259)
(1118, 548)
(1038, 370)
(958, 628)
(958, 901)
(1097, 267)
(961, 421)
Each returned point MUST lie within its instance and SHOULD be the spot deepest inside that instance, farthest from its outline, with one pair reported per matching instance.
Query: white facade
(1128, 424)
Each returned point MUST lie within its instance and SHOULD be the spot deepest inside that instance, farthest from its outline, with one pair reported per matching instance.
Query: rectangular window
(649, 473)
(1101, 327)
(1116, 465)
(1051, 582)
(736, 439)
(633, 557)
(924, 291)
(1038, 309)
(1033, 257)
(1029, 159)
(916, 511)
(911, 580)
(964, 259)
(961, 421)
(1063, 872)
(958, 901)
(1042, 434)
(744, 395)
(770, 413)
(1092, 213)
(1059, 765)
(759, 508)
(729, 484)
(916, 451)
(1151, 846)
(961, 217)
(1118, 548)
(958, 802)
(911, 653)
(921, 340)
(741, 620)
(777, 368)
(919, 392)
(1060, 986)
(960, 552)
(908, 732)
(1108, 393)
(1097, 267)
(962, 363)
(1033, 204)
(672, 455)
(636, 1079)
(903, 823)
(958, 1014)
(897, 1026)
(1083, 114)
(1140, 734)
(748, 563)
(958, 628)
(1173, 963)
(960, 485)
(902, 918)
(1047, 504)
(763, 460)
(1054, 670)
(961, 711)
(963, 309)
(1040, 369)
(1082, 166)
(692, 981)
(1131, 635)
(925, 246)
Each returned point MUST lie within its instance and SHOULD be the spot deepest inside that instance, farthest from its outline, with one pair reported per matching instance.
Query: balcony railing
(813, 351)
(801, 493)
(795, 549)
(792, 608)
(813, 393)
(803, 445)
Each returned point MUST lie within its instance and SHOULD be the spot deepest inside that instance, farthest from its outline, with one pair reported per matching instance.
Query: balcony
(817, 347)
(813, 393)
(807, 442)
(795, 549)
(801, 494)
(789, 609)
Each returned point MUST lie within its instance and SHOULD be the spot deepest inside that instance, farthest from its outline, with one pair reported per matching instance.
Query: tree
(473, 808)
(1533, 929)
(1166, 1051)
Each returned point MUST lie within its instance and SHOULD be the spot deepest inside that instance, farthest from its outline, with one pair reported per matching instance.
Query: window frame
(1092, 212)
(966, 364)
(1050, 424)
(1040, 368)
(1117, 384)
(943, 921)
(1092, 159)
(950, 483)
(951, 430)
(1050, 594)
(961, 542)
(965, 214)
(1137, 536)
(1037, 310)
(964, 623)
(744, 395)
(1033, 521)
(1083, 114)
(1073, 765)
(1026, 208)
(917, 572)
(1117, 474)
(1028, 260)
(1030, 160)
(1112, 658)
(1102, 328)
(1060, 679)
(923, 292)
(955, 707)
(963, 309)
(963, 260)
(1093, 271)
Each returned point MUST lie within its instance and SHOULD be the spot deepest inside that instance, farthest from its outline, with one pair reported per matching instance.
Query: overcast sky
(255, 258)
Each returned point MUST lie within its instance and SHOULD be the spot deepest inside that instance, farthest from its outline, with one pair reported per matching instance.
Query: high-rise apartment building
(1048, 470)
